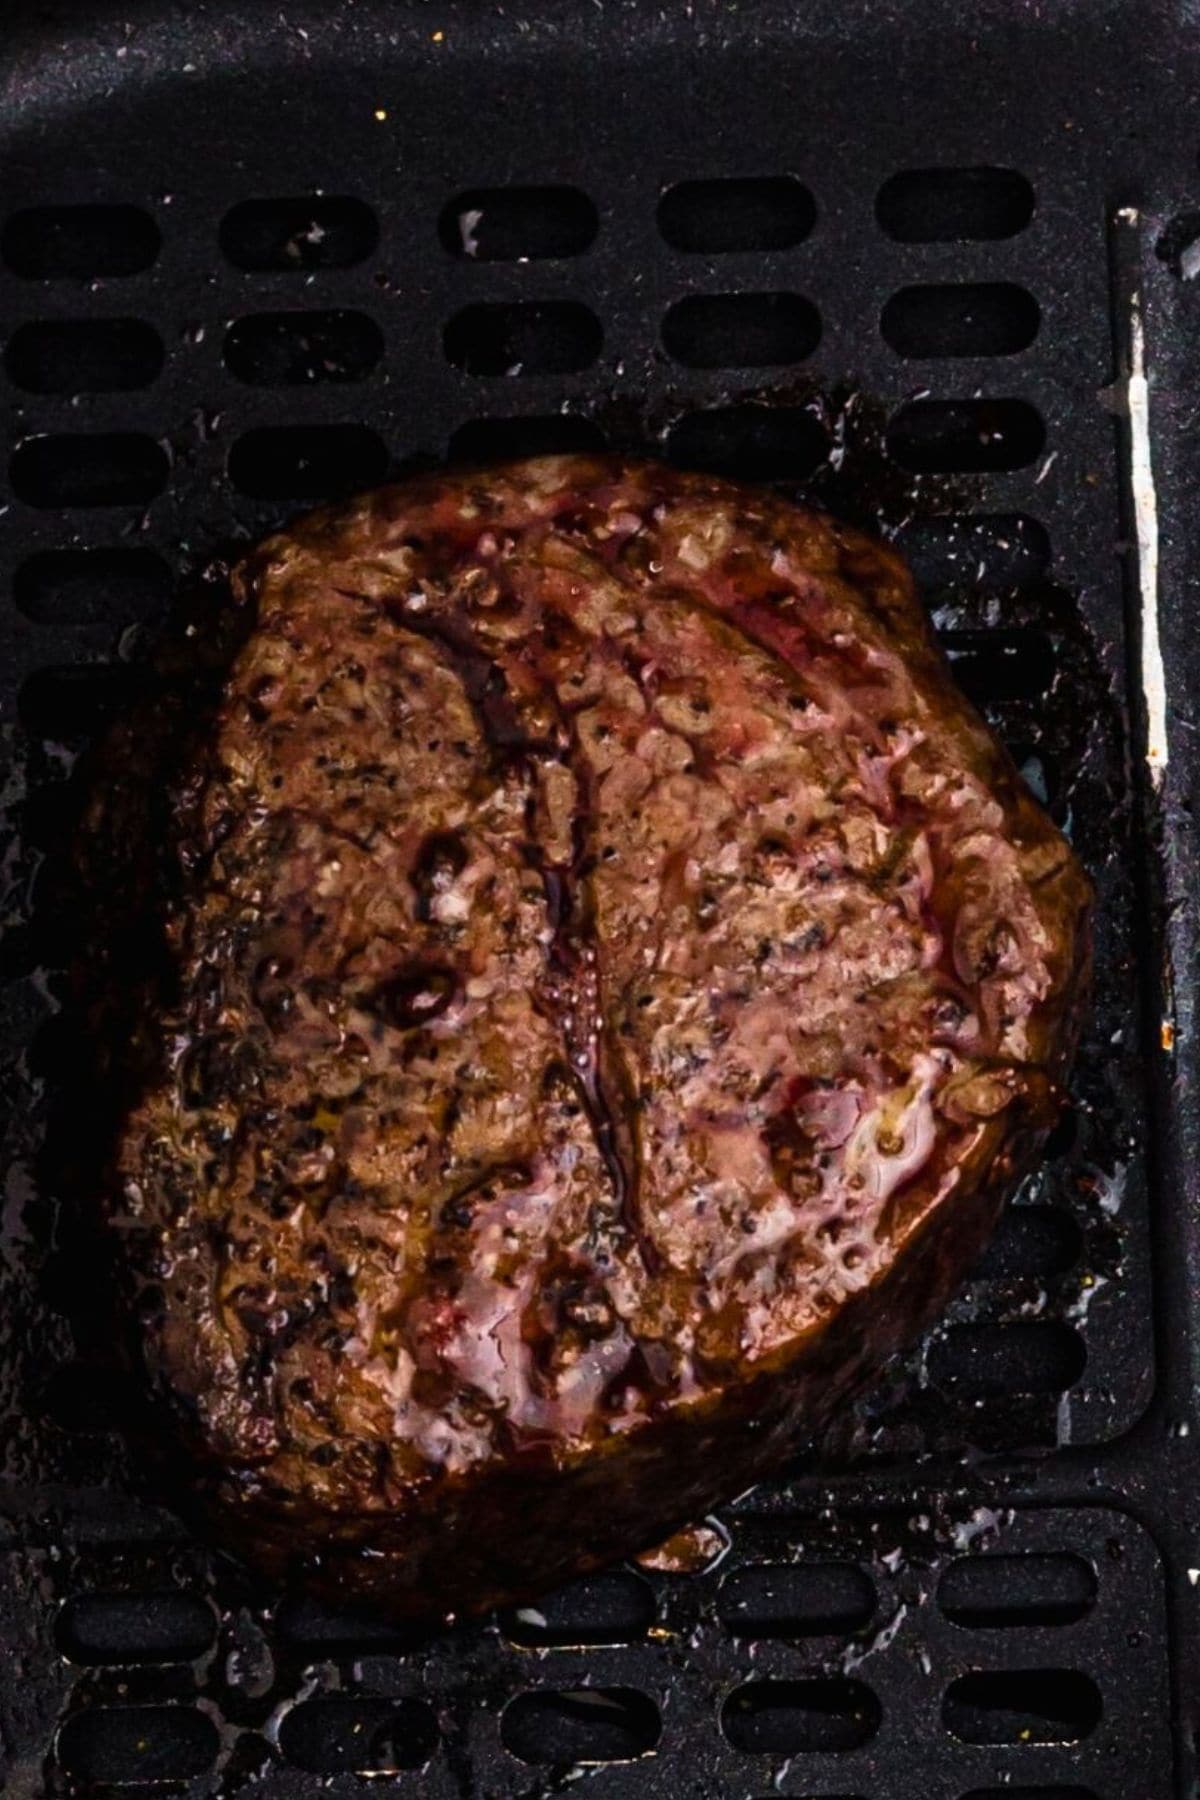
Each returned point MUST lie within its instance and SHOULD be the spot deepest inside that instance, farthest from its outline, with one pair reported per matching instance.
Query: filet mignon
(617, 979)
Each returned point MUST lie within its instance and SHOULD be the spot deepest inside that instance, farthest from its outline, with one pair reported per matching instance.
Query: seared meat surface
(617, 978)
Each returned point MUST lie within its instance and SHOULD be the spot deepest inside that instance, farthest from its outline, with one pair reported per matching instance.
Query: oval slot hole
(135, 1628)
(1032, 1242)
(82, 1396)
(741, 331)
(47, 243)
(59, 1051)
(986, 1593)
(286, 349)
(954, 206)
(68, 705)
(343, 1734)
(117, 468)
(988, 553)
(715, 217)
(990, 1362)
(825, 1714)
(755, 443)
(534, 337)
(614, 1608)
(128, 1745)
(518, 224)
(933, 437)
(496, 440)
(1032, 1793)
(992, 318)
(285, 462)
(85, 1397)
(1042, 776)
(796, 1600)
(994, 666)
(83, 356)
(1022, 1706)
(581, 1725)
(313, 231)
(91, 587)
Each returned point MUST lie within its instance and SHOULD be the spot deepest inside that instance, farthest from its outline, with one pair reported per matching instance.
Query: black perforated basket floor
(941, 273)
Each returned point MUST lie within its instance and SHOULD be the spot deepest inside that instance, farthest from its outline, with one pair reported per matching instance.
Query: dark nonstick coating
(890, 259)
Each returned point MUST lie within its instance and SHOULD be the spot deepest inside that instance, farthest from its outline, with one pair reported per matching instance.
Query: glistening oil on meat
(619, 978)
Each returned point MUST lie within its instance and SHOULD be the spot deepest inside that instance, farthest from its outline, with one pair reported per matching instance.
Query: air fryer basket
(938, 268)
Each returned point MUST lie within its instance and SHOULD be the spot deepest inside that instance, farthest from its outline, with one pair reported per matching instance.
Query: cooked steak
(617, 979)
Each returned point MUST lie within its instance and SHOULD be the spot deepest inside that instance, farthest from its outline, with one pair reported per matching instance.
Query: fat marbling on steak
(618, 979)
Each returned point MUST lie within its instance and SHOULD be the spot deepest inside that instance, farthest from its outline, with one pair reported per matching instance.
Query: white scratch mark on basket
(856, 1655)
(1144, 498)
(468, 225)
(1145, 514)
(1145, 517)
